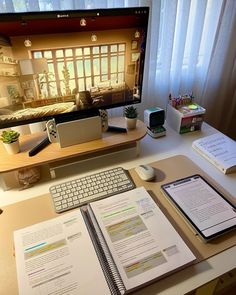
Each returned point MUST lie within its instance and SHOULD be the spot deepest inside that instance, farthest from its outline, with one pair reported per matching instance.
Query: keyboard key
(84, 190)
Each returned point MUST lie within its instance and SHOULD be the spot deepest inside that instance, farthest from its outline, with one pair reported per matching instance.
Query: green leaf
(9, 136)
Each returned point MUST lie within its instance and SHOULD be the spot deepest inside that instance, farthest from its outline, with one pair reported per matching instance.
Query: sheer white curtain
(191, 48)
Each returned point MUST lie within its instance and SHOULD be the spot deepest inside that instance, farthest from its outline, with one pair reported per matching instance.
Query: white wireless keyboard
(78, 192)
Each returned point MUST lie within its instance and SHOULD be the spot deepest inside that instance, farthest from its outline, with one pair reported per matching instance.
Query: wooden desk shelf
(53, 153)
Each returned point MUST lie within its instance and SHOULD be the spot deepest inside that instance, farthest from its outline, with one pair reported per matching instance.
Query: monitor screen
(61, 64)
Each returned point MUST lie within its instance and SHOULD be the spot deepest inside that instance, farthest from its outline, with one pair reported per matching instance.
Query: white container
(131, 123)
(183, 122)
(12, 148)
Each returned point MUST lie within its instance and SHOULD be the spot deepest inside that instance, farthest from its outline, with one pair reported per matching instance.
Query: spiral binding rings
(108, 266)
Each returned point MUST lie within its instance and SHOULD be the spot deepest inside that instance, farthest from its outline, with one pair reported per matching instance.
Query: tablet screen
(206, 209)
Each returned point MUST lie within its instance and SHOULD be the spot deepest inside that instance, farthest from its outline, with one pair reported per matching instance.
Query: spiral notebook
(111, 246)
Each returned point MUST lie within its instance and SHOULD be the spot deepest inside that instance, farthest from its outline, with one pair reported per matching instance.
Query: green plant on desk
(131, 112)
(131, 115)
(9, 136)
(10, 139)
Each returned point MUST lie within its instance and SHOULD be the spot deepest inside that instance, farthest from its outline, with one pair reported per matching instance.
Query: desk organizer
(185, 118)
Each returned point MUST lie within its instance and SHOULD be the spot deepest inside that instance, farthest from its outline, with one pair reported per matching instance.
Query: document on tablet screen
(206, 209)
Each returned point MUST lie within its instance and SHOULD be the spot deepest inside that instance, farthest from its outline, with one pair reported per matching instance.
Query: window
(76, 69)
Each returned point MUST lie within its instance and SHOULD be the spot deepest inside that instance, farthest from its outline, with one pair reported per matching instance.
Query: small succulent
(9, 136)
(131, 112)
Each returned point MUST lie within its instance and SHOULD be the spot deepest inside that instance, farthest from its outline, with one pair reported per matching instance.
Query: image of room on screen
(52, 65)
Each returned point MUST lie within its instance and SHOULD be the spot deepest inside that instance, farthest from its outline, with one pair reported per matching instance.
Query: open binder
(111, 246)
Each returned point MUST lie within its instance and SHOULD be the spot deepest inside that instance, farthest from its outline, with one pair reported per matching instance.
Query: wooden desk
(53, 154)
(40, 208)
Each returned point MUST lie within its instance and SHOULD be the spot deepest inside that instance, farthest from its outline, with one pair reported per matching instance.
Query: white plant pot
(12, 148)
(131, 123)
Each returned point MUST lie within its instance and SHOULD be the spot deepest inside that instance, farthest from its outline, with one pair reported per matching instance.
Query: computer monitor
(63, 64)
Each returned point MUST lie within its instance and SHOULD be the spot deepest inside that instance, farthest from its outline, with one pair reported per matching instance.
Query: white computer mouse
(145, 172)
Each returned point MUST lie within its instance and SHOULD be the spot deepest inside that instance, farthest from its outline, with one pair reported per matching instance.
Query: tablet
(208, 212)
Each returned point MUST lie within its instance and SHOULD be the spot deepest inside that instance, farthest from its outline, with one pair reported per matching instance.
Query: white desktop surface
(151, 150)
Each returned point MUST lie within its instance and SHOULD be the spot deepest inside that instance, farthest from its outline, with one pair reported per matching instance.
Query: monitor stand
(55, 157)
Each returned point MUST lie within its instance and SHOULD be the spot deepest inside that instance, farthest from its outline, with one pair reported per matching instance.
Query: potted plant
(131, 115)
(10, 139)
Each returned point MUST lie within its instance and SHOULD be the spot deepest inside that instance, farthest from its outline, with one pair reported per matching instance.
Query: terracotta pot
(12, 148)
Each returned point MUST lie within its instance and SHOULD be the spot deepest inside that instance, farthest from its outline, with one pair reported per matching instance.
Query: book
(218, 149)
(111, 246)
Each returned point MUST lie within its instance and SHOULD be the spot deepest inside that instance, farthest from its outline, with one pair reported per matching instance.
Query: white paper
(143, 243)
(56, 257)
(203, 205)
